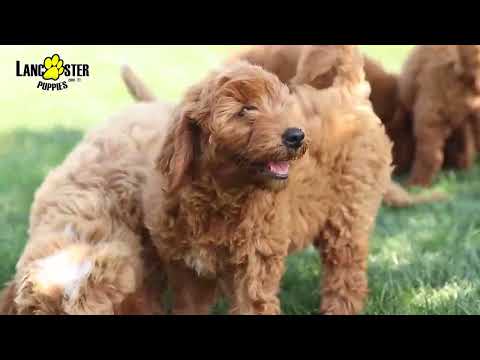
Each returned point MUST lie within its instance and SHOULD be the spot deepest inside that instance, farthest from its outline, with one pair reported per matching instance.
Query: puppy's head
(230, 126)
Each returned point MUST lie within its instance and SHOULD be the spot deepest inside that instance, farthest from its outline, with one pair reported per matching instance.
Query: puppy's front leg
(255, 284)
(359, 190)
(345, 283)
(431, 133)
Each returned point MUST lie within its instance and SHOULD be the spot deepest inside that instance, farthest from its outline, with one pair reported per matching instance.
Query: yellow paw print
(54, 66)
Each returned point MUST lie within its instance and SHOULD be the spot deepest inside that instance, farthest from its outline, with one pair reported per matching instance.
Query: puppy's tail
(397, 197)
(136, 87)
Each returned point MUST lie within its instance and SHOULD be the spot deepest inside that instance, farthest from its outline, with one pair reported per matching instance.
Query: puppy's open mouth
(274, 169)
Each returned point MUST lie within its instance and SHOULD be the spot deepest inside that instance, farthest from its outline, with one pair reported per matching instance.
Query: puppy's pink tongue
(278, 167)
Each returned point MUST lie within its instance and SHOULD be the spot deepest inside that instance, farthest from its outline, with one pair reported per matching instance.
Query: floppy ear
(316, 66)
(177, 153)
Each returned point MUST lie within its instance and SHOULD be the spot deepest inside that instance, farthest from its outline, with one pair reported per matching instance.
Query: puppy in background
(440, 87)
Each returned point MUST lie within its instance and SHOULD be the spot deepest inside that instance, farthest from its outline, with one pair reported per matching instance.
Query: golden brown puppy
(399, 126)
(440, 86)
(250, 173)
(88, 251)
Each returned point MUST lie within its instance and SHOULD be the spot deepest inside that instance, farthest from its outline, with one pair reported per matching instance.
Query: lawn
(424, 260)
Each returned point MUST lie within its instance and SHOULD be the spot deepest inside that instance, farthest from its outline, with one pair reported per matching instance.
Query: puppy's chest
(227, 236)
(309, 207)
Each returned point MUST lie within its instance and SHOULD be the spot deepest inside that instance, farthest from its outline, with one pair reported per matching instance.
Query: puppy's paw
(336, 305)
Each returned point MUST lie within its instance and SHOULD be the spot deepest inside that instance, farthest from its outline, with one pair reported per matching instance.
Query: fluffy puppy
(440, 87)
(249, 173)
(88, 251)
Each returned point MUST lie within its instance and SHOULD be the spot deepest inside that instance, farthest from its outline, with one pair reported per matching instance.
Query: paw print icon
(54, 67)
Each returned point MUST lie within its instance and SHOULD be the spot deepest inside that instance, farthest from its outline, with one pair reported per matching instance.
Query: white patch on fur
(196, 263)
(60, 270)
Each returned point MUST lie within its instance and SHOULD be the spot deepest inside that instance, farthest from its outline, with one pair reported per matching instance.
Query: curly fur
(88, 251)
(440, 86)
(221, 226)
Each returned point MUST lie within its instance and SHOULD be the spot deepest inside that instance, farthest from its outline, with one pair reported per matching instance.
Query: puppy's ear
(176, 157)
(316, 66)
(177, 154)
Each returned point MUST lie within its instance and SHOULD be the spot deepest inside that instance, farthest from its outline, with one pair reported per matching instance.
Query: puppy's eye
(245, 109)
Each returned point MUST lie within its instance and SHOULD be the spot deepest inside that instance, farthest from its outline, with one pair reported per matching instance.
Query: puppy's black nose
(293, 138)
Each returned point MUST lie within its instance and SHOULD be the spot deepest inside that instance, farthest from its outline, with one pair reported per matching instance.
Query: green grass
(424, 260)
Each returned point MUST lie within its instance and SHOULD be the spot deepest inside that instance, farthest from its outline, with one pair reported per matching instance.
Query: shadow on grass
(25, 159)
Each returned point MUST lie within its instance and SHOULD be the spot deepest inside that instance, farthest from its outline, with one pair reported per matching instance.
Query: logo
(54, 73)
